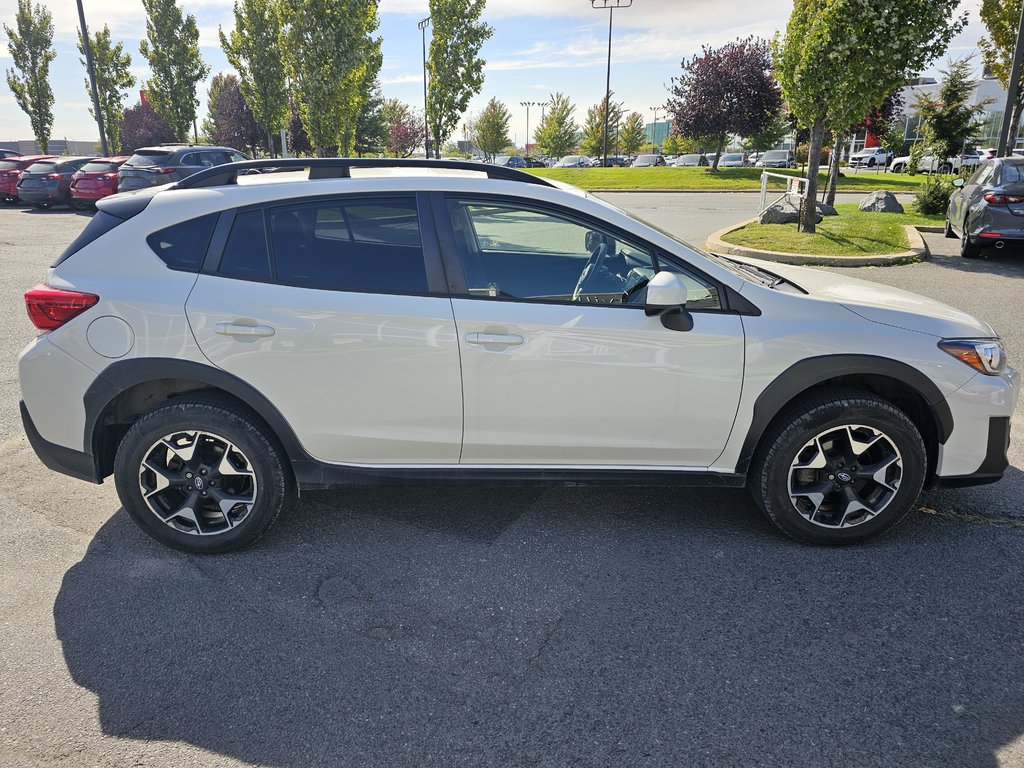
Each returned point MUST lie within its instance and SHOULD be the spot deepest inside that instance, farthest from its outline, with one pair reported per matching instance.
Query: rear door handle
(237, 329)
(494, 339)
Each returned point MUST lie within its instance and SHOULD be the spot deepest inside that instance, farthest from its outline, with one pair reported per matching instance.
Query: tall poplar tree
(454, 65)
(31, 46)
(332, 60)
(833, 68)
(172, 49)
(254, 49)
(592, 136)
(112, 66)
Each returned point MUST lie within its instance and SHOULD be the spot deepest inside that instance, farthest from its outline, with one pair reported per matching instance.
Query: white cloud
(398, 79)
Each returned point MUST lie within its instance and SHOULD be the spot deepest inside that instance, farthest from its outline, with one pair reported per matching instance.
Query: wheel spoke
(858, 446)
(225, 468)
(879, 471)
(815, 494)
(187, 511)
(228, 501)
(852, 505)
(165, 478)
(183, 452)
(817, 461)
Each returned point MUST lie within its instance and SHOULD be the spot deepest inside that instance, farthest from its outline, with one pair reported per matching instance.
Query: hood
(882, 304)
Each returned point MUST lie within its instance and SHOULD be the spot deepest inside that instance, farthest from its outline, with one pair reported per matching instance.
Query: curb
(918, 251)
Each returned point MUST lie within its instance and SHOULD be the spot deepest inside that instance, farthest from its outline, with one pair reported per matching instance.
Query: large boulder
(826, 210)
(881, 202)
(787, 212)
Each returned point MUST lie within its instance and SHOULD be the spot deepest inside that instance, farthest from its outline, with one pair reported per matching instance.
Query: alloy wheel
(198, 482)
(845, 476)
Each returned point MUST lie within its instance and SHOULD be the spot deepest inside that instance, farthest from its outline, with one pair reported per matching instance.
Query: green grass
(851, 233)
(737, 179)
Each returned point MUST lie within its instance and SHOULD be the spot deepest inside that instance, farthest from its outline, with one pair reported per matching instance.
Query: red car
(10, 171)
(94, 180)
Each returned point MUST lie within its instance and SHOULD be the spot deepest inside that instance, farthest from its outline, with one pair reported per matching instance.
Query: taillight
(53, 176)
(997, 199)
(49, 308)
(110, 175)
(160, 170)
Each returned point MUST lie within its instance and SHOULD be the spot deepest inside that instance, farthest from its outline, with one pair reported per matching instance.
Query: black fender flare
(805, 374)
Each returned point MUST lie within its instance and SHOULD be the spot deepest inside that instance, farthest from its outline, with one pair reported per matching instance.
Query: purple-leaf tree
(141, 126)
(727, 90)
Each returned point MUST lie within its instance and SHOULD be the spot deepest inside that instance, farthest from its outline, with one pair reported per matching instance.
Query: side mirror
(666, 297)
(958, 182)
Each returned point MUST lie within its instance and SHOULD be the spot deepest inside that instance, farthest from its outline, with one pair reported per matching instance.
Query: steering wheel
(593, 265)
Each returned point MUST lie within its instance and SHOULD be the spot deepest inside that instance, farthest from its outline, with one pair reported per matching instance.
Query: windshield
(149, 158)
(98, 167)
(502, 160)
(776, 154)
(43, 166)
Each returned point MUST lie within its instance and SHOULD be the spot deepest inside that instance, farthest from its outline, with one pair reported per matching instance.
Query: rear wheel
(945, 168)
(842, 468)
(968, 249)
(201, 475)
(948, 232)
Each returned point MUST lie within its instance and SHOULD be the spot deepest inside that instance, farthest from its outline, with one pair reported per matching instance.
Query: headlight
(983, 355)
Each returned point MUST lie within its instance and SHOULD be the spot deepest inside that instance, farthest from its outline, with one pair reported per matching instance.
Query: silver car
(988, 209)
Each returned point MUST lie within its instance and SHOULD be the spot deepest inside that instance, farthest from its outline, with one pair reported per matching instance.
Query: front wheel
(842, 468)
(945, 169)
(201, 475)
(897, 168)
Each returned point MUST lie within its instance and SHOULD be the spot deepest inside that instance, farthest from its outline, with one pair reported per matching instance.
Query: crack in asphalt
(997, 521)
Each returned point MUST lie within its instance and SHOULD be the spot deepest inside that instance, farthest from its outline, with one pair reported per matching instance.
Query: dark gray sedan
(988, 209)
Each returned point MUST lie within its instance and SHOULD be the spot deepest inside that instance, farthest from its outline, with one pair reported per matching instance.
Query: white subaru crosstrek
(226, 342)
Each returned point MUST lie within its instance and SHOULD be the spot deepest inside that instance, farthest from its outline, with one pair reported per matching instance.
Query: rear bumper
(91, 194)
(58, 457)
(41, 195)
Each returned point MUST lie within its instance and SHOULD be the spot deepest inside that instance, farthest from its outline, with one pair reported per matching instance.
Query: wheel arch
(128, 389)
(898, 383)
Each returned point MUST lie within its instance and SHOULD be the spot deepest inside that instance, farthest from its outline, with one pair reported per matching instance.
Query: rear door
(336, 310)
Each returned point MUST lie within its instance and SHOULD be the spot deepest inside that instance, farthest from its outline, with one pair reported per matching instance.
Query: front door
(561, 366)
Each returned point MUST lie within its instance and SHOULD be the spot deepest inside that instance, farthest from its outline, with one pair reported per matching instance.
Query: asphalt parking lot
(511, 627)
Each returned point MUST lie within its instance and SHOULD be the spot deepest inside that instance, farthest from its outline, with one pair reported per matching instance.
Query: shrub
(934, 196)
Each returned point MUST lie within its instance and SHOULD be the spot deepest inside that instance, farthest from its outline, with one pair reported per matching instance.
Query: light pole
(87, 45)
(611, 5)
(1006, 141)
(528, 104)
(423, 24)
(654, 126)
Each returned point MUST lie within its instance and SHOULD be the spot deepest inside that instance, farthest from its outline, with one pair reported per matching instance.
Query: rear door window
(366, 246)
(245, 253)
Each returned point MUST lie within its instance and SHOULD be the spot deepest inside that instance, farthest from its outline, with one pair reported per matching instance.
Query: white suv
(223, 343)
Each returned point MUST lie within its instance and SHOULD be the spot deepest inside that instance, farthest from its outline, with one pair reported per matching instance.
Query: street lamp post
(611, 5)
(528, 104)
(654, 126)
(1006, 141)
(87, 45)
(423, 24)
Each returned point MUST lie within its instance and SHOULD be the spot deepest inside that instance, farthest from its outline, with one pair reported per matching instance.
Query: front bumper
(996, 459)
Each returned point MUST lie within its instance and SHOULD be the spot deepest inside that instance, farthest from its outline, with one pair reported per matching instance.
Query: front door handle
(494, 339)
(238, 329)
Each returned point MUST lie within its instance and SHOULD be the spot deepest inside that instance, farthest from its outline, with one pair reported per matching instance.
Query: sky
(538, 47)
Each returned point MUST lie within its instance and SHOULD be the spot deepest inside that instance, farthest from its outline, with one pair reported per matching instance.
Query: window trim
(434, 270)
(456, 272)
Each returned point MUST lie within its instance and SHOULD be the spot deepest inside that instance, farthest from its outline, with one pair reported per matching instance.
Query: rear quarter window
(183, 246)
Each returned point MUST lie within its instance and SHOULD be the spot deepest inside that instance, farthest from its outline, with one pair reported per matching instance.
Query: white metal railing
(796, 186)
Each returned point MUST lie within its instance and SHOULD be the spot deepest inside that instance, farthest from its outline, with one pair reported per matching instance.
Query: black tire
(789, 437)
(968, 249)
(897, 168)
(948, 232)
(255, 450)
(945, 169)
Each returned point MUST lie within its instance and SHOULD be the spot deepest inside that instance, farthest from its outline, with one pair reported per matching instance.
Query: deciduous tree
(491, 128)
(725, 90)
(557, 133)
(404, 128)
(633, 135)
(112, 66)
(30, 44)
(140, 126)
(454, 65)
(592, 135)
(371, 126)
(254, 49)
(333, 59)
(1000, 18)
(834, 67)
(231, 123)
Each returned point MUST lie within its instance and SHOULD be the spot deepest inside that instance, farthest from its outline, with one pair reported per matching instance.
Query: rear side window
(183, 246)
(366, 246)
(1011, 173)
(245, 253)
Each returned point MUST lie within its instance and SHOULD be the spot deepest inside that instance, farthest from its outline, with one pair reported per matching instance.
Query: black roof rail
(338, 168)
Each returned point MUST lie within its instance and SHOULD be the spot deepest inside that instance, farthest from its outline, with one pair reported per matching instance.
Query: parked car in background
(871, 157)
(732, 160)
(534, 162)
(777, 158)
(509, 161)
(932, 164)
(689, 161)
(95, 180)
(648, 161)
(988, 209)
(753, 157)
(47, 183)
(574, 161)
(167, 163)
(9, 153)
(11, 169)
(614, 161)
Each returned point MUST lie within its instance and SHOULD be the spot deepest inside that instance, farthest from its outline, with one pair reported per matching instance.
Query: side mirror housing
(666, 297)
(958, 182)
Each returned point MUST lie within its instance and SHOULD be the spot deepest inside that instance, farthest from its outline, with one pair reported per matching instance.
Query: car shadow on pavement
(578, 626)
(1006, 262)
